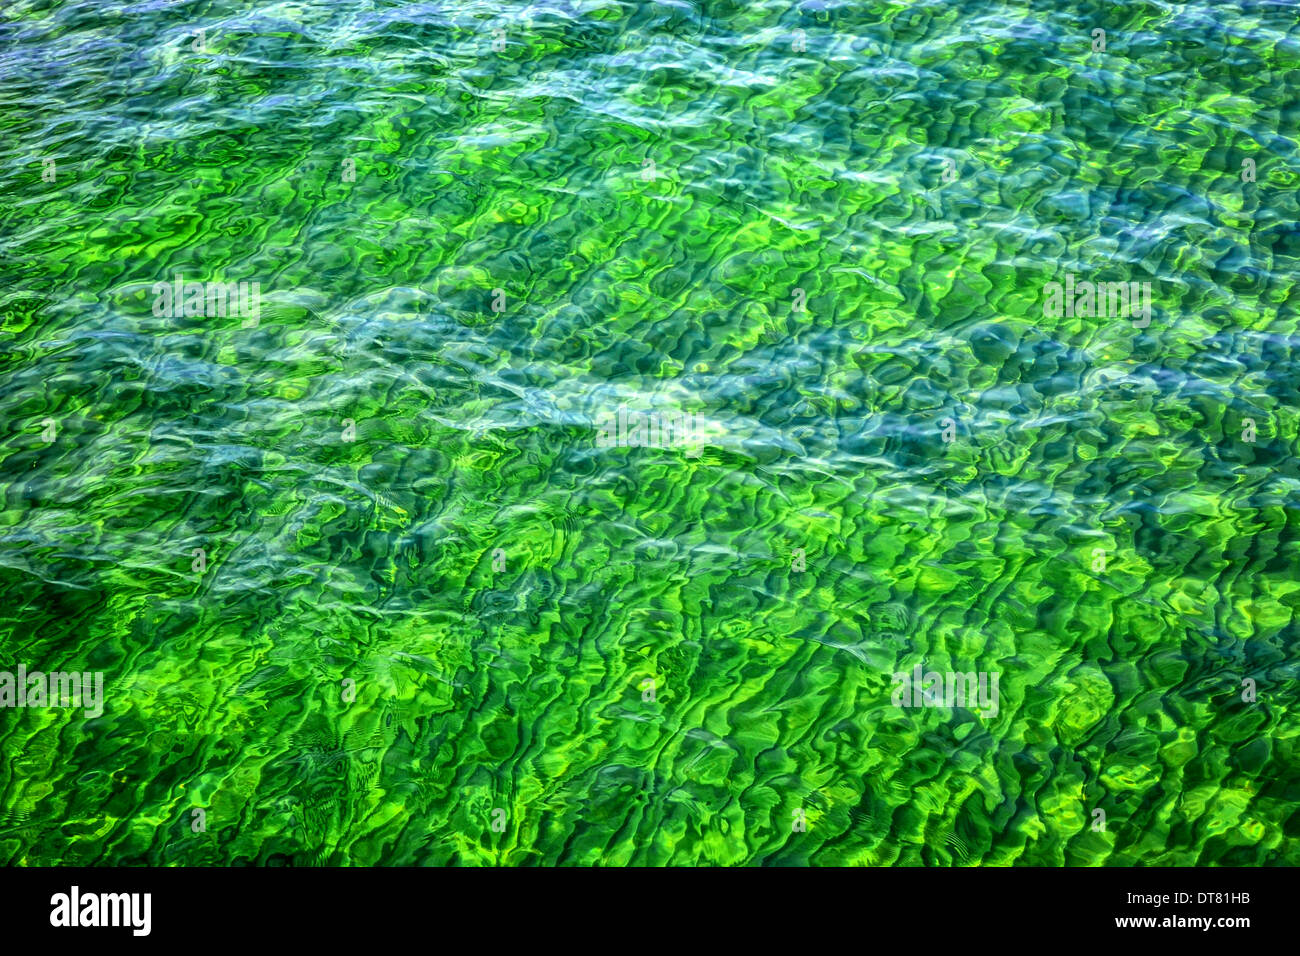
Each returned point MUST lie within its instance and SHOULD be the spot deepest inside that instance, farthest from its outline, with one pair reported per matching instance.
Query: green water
(831, 247)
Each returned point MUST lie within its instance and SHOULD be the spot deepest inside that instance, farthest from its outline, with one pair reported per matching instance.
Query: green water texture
(436, 621)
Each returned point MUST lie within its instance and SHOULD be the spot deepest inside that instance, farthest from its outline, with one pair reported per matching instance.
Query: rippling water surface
(437, 619)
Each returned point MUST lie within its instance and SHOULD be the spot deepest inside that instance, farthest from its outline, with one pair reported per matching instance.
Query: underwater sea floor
(639, 433)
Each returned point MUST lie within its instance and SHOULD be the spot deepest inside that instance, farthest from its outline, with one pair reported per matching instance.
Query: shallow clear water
(430, 596)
